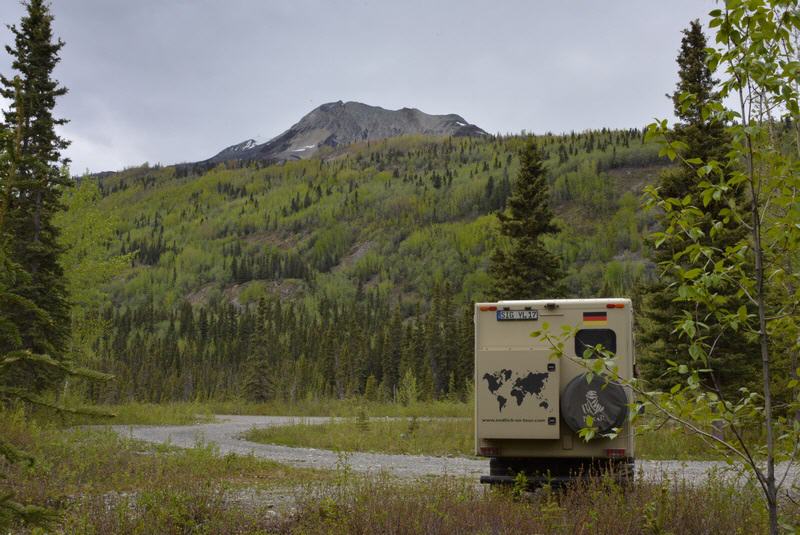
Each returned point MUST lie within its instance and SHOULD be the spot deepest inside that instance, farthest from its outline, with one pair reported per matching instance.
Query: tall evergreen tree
(526, 270)
(34, 180)
(257, 374)
(24, 367)
(16, 361)
(705, 138)
(393, 348)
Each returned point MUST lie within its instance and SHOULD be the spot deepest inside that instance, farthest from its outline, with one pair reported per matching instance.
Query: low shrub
(598, 507)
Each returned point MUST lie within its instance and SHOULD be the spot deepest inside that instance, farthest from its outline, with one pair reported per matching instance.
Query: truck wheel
(605, 402)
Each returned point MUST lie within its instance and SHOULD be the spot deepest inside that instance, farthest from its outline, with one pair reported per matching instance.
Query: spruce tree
(705, 138)
(435, 343)
(34, 179)
(16, 361)
(466, 345)
(258, 372)
(22, 367)
(393, 349)
(525, 269)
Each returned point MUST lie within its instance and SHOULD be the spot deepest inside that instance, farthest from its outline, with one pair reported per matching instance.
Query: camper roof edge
(563, 302)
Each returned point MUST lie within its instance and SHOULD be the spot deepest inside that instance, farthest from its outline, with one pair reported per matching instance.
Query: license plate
(517, 315)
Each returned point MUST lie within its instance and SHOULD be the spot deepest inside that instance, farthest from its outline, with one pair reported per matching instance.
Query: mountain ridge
(339, 123)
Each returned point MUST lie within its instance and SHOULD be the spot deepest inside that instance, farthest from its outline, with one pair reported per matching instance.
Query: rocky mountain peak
(341, 123)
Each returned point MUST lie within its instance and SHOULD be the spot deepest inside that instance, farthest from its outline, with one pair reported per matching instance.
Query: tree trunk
(718, 430)
(771, 491)
(795, 376)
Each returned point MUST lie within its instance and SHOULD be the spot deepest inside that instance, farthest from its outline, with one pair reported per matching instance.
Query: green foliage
(524, 269)
(19, 366)
(371, 389)
(520, 486)
(590, 188)
(366, 268)
(756, 51)
(32, 179)
(407, 391)
(86, 235)
(701, 137)
(34, 310)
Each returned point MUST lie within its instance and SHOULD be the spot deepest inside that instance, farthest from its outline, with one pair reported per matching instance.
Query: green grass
(670, 443)
(410, 436)
(344, 408)
(86, 472)
(450, 437)
(136, 413)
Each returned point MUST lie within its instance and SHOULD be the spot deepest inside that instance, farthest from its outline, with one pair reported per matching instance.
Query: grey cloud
(177, 80)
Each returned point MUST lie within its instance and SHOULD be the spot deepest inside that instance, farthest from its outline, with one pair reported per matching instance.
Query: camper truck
(530, 403)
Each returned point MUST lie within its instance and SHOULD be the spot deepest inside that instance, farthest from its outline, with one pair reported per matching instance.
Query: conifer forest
(329, 274)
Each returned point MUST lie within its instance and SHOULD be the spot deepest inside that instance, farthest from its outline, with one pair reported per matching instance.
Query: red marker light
(488, 308)
(488, 452)
(615, 305)
(615, 453)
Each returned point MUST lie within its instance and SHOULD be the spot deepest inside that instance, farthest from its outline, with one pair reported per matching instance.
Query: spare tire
(605, 402)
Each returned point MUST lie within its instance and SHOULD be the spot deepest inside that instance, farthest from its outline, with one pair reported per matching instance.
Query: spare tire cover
(605, 402)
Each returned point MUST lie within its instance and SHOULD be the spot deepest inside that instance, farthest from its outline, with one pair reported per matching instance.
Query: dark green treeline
(280, 350)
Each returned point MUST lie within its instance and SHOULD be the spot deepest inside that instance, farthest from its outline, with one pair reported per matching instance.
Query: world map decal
(506, 383)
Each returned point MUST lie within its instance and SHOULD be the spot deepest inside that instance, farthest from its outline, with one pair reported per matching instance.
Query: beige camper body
(520, 386)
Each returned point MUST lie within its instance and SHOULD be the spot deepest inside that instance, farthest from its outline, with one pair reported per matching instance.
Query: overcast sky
(178, 80)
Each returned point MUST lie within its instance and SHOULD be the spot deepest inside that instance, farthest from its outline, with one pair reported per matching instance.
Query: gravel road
(227, 429)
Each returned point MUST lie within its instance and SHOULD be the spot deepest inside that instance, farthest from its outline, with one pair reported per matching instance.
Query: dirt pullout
(228, 429)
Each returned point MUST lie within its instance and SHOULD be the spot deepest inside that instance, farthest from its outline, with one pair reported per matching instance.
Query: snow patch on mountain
(342, 123)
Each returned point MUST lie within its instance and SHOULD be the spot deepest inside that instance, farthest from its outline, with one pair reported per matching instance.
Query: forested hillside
(363, 258)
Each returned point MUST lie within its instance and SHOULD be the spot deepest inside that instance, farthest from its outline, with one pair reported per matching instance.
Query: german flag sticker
(595, 319)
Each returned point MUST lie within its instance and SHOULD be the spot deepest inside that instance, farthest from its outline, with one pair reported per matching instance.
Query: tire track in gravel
(226, 431)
